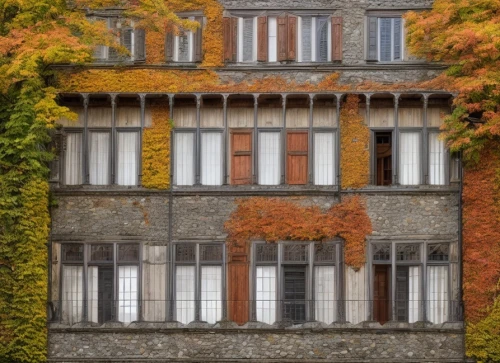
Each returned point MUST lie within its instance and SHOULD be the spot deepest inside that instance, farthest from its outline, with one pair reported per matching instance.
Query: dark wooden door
(105, 294)
(381, 296)
(297, 148)
(294, 303)
(402, 290)
(241, 159)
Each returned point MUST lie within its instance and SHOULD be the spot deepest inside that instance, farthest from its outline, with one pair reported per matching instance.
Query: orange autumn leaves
(275, 219)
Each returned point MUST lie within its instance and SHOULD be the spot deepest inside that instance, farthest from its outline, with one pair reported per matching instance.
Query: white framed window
(247, 39)
(99, 157)
(324, 158)
(73, 159)
(390, 39)
(314, 38)
(437, 159)
(211, 158)
(184, 158)
(272, 52)
(127, 158)
(269, 157)
(410, 158)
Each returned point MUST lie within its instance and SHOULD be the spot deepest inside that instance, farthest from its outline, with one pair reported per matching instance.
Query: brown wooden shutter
(169, 46)
(336, 38)
(292, 38)
(241, 157)
(282, 37)
(297, 149)
(230, 32)
(238, 291)
(262, 38)
(198, 36)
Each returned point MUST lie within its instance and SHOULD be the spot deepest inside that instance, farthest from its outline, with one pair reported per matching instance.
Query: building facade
(148, 176)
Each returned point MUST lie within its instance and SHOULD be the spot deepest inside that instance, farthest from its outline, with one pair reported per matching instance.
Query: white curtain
(184, 293)
(127, 293)
(437, 294)
(414, 294)
(99, 158)
(73, 159)
(324, 161)
(211, 294)
(128, 145)
(184, 158)
(325, 303)
(436, 159)
(273, 39)
(93, 293)
(409, 159)
(72, 294)
(269, 158)
(265, 295)
(211, 158)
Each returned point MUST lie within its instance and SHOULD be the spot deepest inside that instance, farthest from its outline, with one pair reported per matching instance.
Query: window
(99, 157)
(184, 158)
(385, 40)
(132, 39)
(199, 282)
(73, 161)
(107, 298)
(324, 158)
(308, 286)
(297, 157)
(397, 279)
(186, 46)
(269, 158)
(211, 158)
(436, 159)
(283, 37)
(241, 157)
(383, 156)
(409, 158)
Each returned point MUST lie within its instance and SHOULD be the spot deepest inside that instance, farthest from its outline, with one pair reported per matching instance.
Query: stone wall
(305, 345)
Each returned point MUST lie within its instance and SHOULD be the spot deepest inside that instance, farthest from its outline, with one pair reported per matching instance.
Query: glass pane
(128, 252)
(73, 252)
(185, 253)
(72, 294)
(324, 161)
(184, 293)
(101, 253)
(211, 253)
(325, 303)
(295, 253)
(265, 299)
(408, 252)
(381, 252)
(211, 158)
(211, 294)
(99, 158)
(73, 159)
(267, 252)
(184, 158)
(437, 294)
(438, 251)
(410, 158)
(269, 158)
(325, 253)
(127, 293)
(127, 158)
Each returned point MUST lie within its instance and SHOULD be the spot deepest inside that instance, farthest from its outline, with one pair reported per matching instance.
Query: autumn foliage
(275, 219)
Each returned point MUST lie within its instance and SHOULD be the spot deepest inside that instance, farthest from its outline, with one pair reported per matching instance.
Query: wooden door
(241, 158)
(381, 296)
(297, 151)
(105, 294)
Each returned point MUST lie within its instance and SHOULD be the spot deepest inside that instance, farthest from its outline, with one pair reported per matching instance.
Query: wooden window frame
(250, 153)
(290, 154)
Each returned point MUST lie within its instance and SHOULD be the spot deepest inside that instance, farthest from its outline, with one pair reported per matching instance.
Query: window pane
(183, 45)
(99, 158)
(438, 252)
(325, 253)
(184, 158)
(306, 38)
(295, 253)
(409, 161)
(267, 252)
(397, 38)
(325, 303)
(273, 39)
(73, 159)
(408, 252)
(184, 293)
(72, 294)
(128, 252)
(101, 253)
(436, 159)
(128, 146)
(385, 37)
(269, 158)
(211, 252)
(324, 161)
(92, 293)
(381, 252)
(265, 297)
(322, 39)
(414, 294)
(211, 158)
(72, 252)
(100, 294)
(437, 294)
(211, 294)
(185, 252)
(294, 304)
(127, 293)
(247, 43)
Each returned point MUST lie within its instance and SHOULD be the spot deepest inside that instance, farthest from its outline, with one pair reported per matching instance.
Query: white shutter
(92, 293)
(305, 34)
(413, 293)
(184, 158)
(72, 294)
(73, 159)
(127, 293)
(321, 39)
(211, 294)
(437, 294)
(397, 38)
(409, 159)
(265, 294)
(183, 45)
(273, 39)
(99, 158)
(211, 158)
(248, 41)
(385, 39)
(127, 158)
(184, 293)
(269, 158)
(324, 160)
(436, 159)
(325, 303)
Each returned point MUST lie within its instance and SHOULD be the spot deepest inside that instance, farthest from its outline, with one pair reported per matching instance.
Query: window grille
(325, 253)
(267, 252)
(408, 252)
(381, 252)
(438, 252)
(295, 253)
(210, 253)
(185, 253)
(101, 253)
(128, 252)
(72, 253)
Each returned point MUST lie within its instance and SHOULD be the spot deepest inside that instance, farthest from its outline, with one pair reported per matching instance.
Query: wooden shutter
(241, 158)
(230, 30)
(126, 41)
(169, 46)
(336, 38)
(297, 150)
(292, 37)
(372, 38)
(198, 37)
(282, 38)
(397, 39)
(262, 38)
(238, 284)
(140, 44)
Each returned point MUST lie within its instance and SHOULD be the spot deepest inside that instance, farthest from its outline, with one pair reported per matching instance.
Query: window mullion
(197, 285)
(393, 282)
(85, 282)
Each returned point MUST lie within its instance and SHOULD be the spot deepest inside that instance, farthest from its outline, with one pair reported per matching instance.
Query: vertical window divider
(113, 138)
(169, 291)
(85, 159)
(255, 139)
(395, 144)
(372, 141)
(393, 315)
(370, 279)
(310, 143)
(424, 283)
(224, 283)
(310, 277)
(198, 141)
(225, 140)
(139, 284)
(338, 97)
(425, 143)
(116, 283)
(341, 303)
(197, 285)
(253, 283)
(279, 283)
(142, 98)
(284, 143)
(85, 281)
